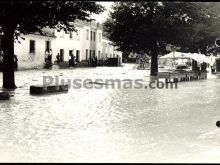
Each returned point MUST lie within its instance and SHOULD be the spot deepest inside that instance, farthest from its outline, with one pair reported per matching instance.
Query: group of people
(48, 58)
(103, 61)
(72, 60)
(199, 66)
(143, 62)
(93, 61)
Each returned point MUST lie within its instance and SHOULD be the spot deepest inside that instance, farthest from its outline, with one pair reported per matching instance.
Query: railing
(182, 76)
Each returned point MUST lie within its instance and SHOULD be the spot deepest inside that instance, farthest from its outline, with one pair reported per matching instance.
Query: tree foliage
(32, 16)
(147, 27)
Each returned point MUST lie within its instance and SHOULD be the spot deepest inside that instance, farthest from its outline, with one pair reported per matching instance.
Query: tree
(147, 27)
(31, 16)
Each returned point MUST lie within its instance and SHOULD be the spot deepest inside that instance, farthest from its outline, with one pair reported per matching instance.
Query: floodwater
(110, 125)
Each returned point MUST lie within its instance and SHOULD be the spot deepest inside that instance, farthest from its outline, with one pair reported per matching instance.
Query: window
(47, 45)
(78, 35)
(93, 53)
(77, 55)
(86, 54)
(106, 55)
(62, 54)
(32, 46)
(90, 53)
(91, 35)
(99, 54)
(70, 52)
(94, 36)
(113, 55)
(100, 37)
(71, 34)
(87, 34)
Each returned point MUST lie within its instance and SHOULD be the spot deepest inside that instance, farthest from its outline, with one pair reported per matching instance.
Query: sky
(102, 16)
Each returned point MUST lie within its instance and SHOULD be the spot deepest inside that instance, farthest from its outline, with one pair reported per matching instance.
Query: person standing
(46, 55)
(103, 61)
(50, 56)
(74, 61)
(96, 61)
(93, 61)
(71, 60)
(90, 61)
(58, 58)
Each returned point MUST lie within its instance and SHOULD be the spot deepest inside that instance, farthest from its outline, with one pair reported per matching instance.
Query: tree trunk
(8, 61)
(154, 61)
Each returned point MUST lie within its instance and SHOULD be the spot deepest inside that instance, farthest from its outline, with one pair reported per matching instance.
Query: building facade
(87, 41)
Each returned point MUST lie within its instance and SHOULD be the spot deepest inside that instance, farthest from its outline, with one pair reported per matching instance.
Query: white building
(108, 50)
(86, 42)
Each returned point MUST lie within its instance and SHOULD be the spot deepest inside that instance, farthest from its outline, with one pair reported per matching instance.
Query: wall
(109, 49)
(99, 43)
(61, 40)
(27, 60)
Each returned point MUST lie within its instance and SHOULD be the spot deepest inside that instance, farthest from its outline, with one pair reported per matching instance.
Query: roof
(51, 32)
(46, 32)
(88, 23)
(195, 56)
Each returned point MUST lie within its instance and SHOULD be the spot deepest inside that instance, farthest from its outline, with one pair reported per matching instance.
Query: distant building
(108, 50)
(86, 42)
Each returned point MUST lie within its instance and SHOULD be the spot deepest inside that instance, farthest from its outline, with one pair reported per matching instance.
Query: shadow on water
(49, 94)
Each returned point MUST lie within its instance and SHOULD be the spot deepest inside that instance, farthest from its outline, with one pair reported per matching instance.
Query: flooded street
(110, 125)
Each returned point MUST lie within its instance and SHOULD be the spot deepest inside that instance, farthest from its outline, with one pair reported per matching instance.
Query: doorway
(47, 45)
(61, 54)
(77, 55)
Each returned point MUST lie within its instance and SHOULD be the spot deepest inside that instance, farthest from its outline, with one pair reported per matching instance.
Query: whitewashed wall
(109, 49)
(27, 60)
(85, 42)
(99, 43)
(62, 40)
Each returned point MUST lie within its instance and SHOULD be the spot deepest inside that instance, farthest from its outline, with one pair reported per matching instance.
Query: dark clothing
(58, 58)
(48, 61)
(90, 62)
(49, 58)
(203, 67)
(93, 62)
(96, 61)
(72, 60)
